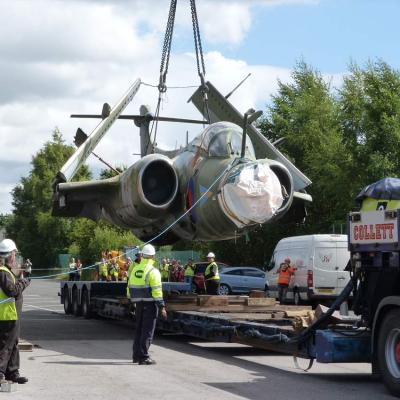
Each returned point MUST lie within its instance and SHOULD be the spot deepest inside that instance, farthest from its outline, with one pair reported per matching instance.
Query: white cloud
(63, 57)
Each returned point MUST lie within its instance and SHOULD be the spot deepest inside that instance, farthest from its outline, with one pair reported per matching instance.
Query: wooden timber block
(278, 315)
(24, 345)
(302, 322)
(6, 386)
(237, 299)
(260, 301)
(298, 313)
(291, 308)
(212, 301)
(257, 293)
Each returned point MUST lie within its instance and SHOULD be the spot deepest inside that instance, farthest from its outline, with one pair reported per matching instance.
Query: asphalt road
(75, 358)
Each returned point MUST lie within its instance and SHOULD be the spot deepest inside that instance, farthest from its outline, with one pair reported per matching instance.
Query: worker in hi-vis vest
(211, 275)
(10, 308)
(145, 290)
(103, 270)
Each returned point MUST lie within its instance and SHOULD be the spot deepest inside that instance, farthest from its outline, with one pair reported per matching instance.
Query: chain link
(167, 47)
(197, 40)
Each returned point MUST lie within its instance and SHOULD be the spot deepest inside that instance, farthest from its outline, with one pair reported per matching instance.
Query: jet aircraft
(227, 181)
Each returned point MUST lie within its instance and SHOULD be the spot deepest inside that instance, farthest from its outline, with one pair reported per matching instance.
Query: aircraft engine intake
(286, 181)
(146, 191)
(158, 183)
(256, 193)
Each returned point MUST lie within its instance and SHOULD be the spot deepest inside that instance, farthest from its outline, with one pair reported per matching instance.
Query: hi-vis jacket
(211, 273)
(10, 295)
(189, 270)
(285, 275)
(145, 283)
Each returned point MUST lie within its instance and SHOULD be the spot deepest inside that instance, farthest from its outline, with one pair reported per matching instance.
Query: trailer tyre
(86, 305)
(76, 307)
(67, 301)
(389, 351)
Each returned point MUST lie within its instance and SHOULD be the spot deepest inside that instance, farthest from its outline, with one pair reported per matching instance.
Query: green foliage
(5, 219)
(342, 140)
(370, 120)
(39, 235)
(89, 239)
(109, 173)
(342, 143)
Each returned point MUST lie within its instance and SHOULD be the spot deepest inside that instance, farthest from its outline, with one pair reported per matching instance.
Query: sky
(59, 57)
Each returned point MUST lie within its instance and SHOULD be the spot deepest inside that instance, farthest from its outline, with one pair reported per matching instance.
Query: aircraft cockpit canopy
(223, 139)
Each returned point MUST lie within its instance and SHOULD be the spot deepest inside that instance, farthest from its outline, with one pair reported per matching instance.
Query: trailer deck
(255, 321)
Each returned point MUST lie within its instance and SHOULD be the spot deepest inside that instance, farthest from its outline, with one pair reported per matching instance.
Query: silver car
(241, 280)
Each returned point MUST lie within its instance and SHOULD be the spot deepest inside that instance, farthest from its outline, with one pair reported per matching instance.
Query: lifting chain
(167, 47)
(201, 69)
(166, 51)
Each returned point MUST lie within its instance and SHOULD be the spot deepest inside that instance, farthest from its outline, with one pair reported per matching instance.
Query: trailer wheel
(389, 351)
(76, 307)
(86, 305)
(67, 301)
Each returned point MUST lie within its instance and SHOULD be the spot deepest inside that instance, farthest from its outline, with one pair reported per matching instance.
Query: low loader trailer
(371, 334)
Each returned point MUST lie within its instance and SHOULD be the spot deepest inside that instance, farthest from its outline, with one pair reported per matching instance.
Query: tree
(304, 112)
(89, 239)
(39, 235)
(370, 120)
(109, 173)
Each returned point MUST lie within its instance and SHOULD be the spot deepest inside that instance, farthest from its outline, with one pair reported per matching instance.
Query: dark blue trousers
(146, 318)
(9, 353)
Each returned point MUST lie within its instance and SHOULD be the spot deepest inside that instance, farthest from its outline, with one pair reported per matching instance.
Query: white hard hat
(148, 250)
(7, 246)
(210, 255)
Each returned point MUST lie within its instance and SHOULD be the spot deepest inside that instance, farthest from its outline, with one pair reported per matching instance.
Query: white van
(320, 261)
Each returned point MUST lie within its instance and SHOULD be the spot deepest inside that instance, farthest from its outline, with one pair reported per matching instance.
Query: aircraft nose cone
(251, 194)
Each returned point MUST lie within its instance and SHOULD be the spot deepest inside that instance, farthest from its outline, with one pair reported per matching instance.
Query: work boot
(2, 378)
(16, 378)
(147, 361)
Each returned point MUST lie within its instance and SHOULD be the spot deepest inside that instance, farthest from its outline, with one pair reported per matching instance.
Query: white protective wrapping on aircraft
(253, 196)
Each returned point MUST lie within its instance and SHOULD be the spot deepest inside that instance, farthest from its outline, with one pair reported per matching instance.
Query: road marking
(45, 301)
(42, 308)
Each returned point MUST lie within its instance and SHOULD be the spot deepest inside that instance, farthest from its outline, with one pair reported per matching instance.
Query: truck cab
(375, 267)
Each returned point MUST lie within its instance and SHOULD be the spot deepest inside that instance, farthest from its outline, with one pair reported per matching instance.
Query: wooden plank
(259, 301)
(297, 313)
(257, 293)
(223, 309)
(291, 308)
(23, 345)
(212, 301)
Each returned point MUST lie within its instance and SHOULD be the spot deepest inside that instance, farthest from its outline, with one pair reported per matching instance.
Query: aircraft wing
(222, 110)
(70, 168)
(84, 199)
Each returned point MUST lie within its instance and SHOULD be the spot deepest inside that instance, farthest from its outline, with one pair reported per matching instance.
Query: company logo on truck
(376, 231)
(373, 227)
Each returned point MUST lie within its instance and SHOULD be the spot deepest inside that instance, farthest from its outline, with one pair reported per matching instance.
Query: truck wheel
(389, 351)
(67, 301)
(296, 297)
(76, 307)
(86, 305)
